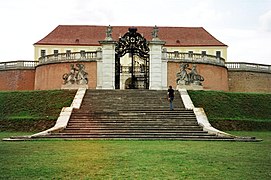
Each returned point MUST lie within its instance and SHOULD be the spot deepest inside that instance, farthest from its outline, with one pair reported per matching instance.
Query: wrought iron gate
(136, 45)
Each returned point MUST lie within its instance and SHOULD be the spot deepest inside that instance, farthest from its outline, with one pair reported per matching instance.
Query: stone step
(121, 112)
(139, 134)
(150, 136)
(101, 124)
(138, 121)
(179, 128)
(132, 114)
(79, 125)
(131, 108)
(118, 131)
(143, 118)
(128, 99)
(182, 138)
(118, 113)
(128, 119)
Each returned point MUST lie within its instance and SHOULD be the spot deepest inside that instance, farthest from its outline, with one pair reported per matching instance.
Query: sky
(243, 25)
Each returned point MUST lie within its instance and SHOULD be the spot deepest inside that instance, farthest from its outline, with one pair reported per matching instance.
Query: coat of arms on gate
(77, 75)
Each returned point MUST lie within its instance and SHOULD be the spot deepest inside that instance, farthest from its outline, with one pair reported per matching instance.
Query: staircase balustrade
(73, 56)
(242, 66)
(194, 58)
(22, 64)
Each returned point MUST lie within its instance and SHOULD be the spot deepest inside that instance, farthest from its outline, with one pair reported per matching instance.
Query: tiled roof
(90, 35)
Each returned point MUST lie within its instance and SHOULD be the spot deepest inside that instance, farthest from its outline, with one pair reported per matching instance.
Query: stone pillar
(99, 69)
(164, 69)
(106, 68)
(157, 66)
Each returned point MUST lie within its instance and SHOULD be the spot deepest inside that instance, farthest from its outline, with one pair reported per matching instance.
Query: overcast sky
(244, 25)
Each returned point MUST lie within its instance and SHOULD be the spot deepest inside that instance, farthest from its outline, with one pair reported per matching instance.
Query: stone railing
(242, 66)
(73, 56)
(18, 65)
(193, 58)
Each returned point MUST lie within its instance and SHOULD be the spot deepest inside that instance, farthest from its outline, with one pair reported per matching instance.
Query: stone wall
(17, 79)
(216, 77)
(49, 76)
(245, 81)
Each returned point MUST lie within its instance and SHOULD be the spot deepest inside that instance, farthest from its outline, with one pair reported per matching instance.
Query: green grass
(233, 106)
(32, 110)
(33, 104)
(62, 159)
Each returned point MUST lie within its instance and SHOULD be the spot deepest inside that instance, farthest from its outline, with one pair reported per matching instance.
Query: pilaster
(106, 68)
(99, 69)
(157, 66)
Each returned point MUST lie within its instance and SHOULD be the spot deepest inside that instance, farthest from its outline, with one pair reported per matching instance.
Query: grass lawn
(62, 159)
(33, 105)
(220, 105)
(32, 110)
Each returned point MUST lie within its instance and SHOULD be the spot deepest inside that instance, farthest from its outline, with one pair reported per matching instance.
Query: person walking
(170, 97)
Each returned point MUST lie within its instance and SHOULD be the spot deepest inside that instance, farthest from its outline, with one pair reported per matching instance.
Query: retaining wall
(17, 79)
(246, 81)
(49, 76)
(215, 77)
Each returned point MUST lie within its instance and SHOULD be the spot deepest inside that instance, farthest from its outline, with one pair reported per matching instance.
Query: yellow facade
(210, 50)
(61, 49)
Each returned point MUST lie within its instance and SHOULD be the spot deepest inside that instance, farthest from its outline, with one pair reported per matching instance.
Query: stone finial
(109, 33)
(155, 33)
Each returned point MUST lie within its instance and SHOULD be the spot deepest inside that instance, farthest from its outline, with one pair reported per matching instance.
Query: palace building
(142, 57)
(67, 38)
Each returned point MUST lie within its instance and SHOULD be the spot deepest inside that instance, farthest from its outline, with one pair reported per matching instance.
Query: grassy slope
(233, 106)
(60, 159)
(32, 110)
(33, 105)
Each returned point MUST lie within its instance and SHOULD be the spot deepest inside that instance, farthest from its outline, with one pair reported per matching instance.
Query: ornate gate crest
(133, 42)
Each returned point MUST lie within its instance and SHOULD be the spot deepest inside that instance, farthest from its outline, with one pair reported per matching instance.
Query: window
(176, 54)
(68, 53)
(190, 54)
(203, 53)
(218, 54)
(55, 52)
(83, 53)
(43, 53)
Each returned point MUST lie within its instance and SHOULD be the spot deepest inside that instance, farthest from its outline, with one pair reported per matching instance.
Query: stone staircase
(132, 114)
